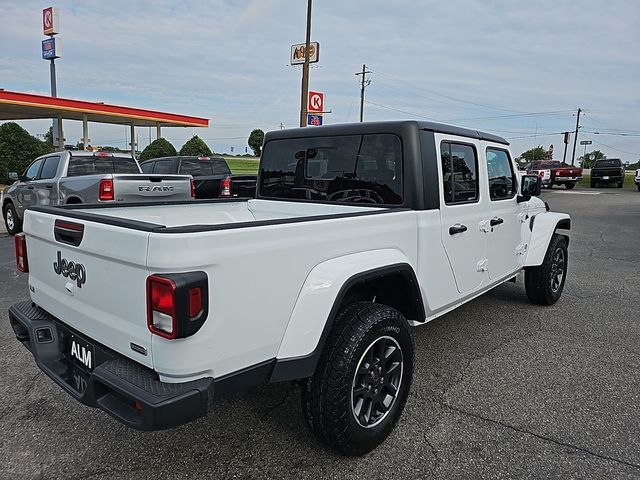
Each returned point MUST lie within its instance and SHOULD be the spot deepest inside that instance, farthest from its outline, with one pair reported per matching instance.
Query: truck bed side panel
(255, 276)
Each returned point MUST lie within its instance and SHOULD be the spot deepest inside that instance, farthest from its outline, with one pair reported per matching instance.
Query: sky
(517, 69)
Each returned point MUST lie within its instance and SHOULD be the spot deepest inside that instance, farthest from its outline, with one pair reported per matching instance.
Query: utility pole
(281, 126)
(305, 71)
(575, 138)
(363, 84)
(565, 140)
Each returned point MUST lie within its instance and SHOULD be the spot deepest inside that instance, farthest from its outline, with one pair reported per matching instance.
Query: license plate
(82, 353)
(605, 178)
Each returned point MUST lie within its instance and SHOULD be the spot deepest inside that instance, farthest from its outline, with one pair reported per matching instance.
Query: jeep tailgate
(141, 187)
(97, 287)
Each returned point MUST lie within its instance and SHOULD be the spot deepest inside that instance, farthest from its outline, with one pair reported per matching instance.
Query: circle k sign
(316, 101)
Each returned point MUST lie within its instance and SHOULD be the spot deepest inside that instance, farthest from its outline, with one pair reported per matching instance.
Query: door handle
(496, 221)
(49, 186)
(457, 228)
(30, 187)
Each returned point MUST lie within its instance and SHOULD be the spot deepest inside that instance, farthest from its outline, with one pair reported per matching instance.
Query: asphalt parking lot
(502, 389)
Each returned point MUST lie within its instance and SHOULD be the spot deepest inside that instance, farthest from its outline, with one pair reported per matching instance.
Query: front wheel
(11, 219)
(362, 381)
(620, 184)
(638, 187)
(544, 283)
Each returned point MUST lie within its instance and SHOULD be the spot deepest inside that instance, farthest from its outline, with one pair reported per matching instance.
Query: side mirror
(14, 176)
(530, 186)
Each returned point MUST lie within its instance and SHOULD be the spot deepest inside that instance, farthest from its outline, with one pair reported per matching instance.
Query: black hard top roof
(381, 127)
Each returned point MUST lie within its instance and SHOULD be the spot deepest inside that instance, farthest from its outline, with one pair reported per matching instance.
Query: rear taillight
(225, 187)
(541, 174)
(22, 263)
(177, 304)
(193, 188)
(105, 190)
(161, 306)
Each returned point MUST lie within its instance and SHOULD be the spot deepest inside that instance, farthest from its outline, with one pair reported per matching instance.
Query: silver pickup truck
(73, 177)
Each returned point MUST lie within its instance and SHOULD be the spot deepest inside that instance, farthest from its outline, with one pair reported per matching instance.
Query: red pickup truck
(553, 172)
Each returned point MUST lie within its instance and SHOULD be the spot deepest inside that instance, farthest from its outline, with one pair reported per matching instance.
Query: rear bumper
(610, 178)
(568, 179)
(124, 389)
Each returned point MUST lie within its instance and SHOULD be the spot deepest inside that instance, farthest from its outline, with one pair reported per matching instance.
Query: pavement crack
(282, 401)
(545, 438)
(434, 451)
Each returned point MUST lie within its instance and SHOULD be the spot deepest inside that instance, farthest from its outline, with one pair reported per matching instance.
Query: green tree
(48, 137)
(194, 147)
(588, 163)
(533, 154)
(18, 148)
(256, 137)
(158, 148)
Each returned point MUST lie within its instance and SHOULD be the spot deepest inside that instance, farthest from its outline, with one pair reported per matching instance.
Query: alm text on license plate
(82, 353)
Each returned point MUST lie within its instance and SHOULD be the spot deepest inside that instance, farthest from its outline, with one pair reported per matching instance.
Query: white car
(637, 179)
(358, 232)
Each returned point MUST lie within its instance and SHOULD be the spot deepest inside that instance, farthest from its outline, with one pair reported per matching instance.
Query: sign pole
(305, 71)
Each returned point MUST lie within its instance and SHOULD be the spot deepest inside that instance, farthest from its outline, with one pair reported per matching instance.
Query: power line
(612, 148)
(450, 97)
(401, 111)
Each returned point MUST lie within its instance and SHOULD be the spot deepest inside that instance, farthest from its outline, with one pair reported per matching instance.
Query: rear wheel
(569, 185)
(11, 219)
(544, 283)
(362, 381)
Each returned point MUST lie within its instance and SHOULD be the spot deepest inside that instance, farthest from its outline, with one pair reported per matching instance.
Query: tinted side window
(32, 171)
(502, 183)
(364, 169)
(49, 168)
(163, 166)
(459, 172)
(147, 167)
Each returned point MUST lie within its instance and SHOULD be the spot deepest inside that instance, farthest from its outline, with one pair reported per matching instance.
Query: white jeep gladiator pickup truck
(357, 232)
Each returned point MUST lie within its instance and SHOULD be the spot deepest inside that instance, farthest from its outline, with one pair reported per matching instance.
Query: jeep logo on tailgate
(72, 270)
(155, 188)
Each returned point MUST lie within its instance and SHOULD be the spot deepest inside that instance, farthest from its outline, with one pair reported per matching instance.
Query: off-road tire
(11, 219)
(328, 396)
(542, 283)
(569, 185)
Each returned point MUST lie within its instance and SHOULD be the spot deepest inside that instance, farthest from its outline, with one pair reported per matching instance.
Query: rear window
(91, 165)
(613, 162)
(364, 169)
(212, 166)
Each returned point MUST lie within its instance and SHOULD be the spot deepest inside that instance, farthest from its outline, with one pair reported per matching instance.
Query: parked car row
(78, 177)
(605, 171)
(552, 172)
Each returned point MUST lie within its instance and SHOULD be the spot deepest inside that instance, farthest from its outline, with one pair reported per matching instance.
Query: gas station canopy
(25, 106)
